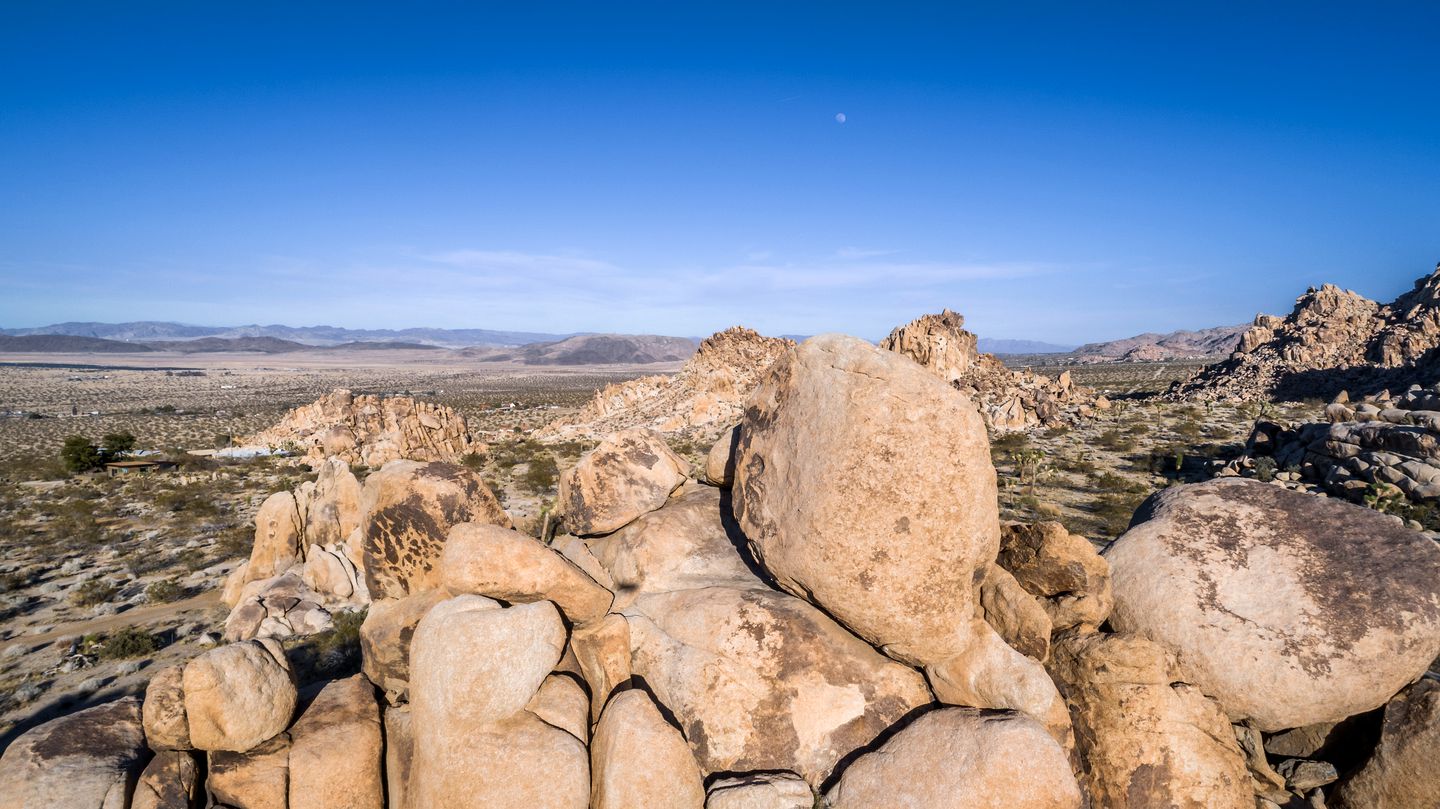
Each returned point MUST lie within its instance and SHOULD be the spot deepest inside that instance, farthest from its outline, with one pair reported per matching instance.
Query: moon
(839, 117)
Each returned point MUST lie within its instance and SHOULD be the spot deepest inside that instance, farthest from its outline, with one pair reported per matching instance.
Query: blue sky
(1063, 172)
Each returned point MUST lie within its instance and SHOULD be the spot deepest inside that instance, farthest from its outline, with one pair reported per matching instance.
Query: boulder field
(829, 613)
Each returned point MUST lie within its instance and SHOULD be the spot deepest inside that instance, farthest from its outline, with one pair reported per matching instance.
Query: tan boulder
(1015, 614)
(474, 662)
(1061, 569)
(578, 553)
(256, 779)
(720, 462)
(865, 485)
(685, 545)
(385, 640)
(410, 507)
(602, 649)
(279, 537)
(87, 759)
(630, 473)
(336, 749)
(238, 695)
(399, 754)
(637, 759)
(760, 680)
(1288, 609)
(518, 762)
(333, 507)
(170, 781)
(166, 727)
(1404, 770)
(991, 673)
(767, 790)
(497, 562)
(965, 759)
(562, 702)
(330, 574)
(1145, 739)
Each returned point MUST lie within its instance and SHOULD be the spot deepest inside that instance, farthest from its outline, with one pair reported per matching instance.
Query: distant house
(142, 466)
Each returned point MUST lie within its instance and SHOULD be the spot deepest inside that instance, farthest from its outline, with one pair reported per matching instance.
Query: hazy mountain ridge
(1182, 344)
(145, 331)
(1001, 345)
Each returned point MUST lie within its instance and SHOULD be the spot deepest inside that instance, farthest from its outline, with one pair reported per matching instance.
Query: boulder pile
(704, 397)
(1379, 446)
(837, 618)
(369, 429)
(1008, 400)
(1333, 340)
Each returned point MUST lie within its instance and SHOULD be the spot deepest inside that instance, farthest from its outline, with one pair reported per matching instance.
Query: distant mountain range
(1150, 347)
(158, 331)
(995, 345)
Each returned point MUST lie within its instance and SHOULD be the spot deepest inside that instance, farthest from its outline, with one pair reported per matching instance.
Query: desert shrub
(1009, 442)
(92, 592)
(129, 642)
(1115, 441)
(1265, 469)
(1190, 430)
(541, 474)
(1109, 482)
(1114, 509)
(163, 591)
(332, 653)
(1057, 431)
(1078, 464)
(473, 461)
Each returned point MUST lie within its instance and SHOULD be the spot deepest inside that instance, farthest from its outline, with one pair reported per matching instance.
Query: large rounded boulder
(1288, 609)
(410, 508)
(630, 473)
(865, 485)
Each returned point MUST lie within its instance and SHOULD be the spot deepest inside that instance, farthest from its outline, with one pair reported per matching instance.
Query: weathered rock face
(760, 680)
(761, 791)
(1070, 579)
(562, 702)
(336, 749)
(410, 508)
(86, 759)
(170, 781)
(500, 563)
(1014, 614)
(1145, 739)
(371, 430)
(256, 779)
(474, 667)
(638, 759)
(865, 485)
(1403, 770)
(277, 608)
(279, 537)
(385, 640)
(704, 397)
(238, 695)
(1008, 400)
(629, 474)
(1333, 340)
(1289, 609)
(961, 757)
(164, 711)
(720, 461)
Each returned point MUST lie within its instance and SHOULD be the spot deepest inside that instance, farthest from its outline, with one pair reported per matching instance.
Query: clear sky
(1063, 172)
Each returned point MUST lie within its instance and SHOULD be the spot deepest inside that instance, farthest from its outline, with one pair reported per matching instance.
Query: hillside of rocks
(1008, 399)
(1176, 345)
(830, 613)
(1335, 340)
(368, 429)
(704, 397)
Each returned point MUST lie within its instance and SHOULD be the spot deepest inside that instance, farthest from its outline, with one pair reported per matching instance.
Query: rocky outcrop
(370, 429)
(1220, 341)
(1145, 738)
(503, 564)
(704, 397)
(761, 791)
(882, 511)
(1380, 446)
(638, 759)
(1333, 340)
(1008, 400)
(1288, 609)
(238, 696)
(1061, 570)
(961, 758)
(1402, 771)
(630, 473)
(87, 760)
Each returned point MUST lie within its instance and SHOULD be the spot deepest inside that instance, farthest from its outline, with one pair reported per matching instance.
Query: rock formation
(370, 429)
(1220, 341)
(1290, 610)
(704, 397)
(1008, 400)
(1334, 340)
